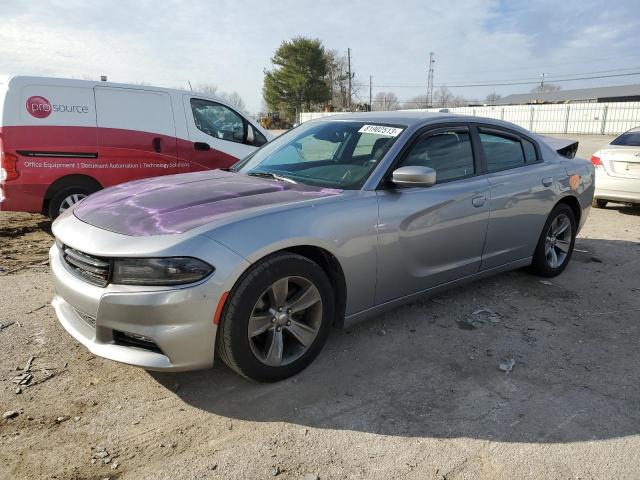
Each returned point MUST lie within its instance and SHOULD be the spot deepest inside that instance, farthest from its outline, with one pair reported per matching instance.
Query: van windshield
(333, 154)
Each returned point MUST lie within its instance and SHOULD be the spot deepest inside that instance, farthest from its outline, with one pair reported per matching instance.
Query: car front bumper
(178, 322)
(156, 328)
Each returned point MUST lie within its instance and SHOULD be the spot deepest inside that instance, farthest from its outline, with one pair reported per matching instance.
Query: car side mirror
(414, 176)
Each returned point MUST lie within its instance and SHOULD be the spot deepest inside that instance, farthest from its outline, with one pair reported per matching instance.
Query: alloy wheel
(558, 241)
(70, 201)
(285, 321)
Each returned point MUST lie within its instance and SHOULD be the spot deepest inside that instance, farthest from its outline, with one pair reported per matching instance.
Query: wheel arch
(72, 180)
(331, 266)
(574, 204)
(326, 260)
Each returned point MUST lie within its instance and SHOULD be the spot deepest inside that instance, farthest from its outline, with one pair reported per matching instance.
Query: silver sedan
(335, 221)
(618, 170)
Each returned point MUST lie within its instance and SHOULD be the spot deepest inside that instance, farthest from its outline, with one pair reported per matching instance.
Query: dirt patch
(25, 240)
(541, 383)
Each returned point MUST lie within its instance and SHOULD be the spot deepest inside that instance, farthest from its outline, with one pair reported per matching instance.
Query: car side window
(448, 152)
(218, 120)
(501, 152)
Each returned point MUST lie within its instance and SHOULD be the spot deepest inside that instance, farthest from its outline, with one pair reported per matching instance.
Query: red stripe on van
(123, 155)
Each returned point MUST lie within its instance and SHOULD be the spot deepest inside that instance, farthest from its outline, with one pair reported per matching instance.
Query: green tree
(297, 78)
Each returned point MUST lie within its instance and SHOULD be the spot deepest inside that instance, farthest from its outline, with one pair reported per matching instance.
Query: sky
(230, 43)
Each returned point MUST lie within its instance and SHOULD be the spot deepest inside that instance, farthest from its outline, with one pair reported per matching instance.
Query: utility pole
(349, 68)
(370, 100)
(430, 80)
(542, 82)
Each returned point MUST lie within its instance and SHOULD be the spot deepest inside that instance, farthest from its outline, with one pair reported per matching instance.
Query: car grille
(95, 270)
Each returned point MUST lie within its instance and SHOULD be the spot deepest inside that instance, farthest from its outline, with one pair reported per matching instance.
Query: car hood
(178, 203)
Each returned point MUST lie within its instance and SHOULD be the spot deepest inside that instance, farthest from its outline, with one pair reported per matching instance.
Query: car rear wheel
(599, 203)
(277, 318)
(66, 198)
(556, 242)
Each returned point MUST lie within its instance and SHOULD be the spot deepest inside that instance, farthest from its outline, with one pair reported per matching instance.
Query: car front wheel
(556, 242)
(277, 318)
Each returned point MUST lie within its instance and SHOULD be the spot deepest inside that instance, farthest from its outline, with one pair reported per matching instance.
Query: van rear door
(136, 133)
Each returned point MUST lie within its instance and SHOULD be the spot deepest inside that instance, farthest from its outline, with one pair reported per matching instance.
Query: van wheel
(67, 197)
(556, 242)
(599, 203)
(277, 318)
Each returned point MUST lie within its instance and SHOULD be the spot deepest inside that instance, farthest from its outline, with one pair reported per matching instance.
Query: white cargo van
(61, 139)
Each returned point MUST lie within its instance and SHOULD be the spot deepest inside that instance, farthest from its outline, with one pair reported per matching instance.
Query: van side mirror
(414, 176)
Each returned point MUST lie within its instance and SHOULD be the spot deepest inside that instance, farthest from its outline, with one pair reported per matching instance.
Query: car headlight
(159, 271)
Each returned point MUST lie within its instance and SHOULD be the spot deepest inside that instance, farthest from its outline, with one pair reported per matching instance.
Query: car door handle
(478, 201)
(547, 182)
(201, 146)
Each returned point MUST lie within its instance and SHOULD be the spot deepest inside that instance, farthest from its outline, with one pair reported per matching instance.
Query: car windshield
(629, 139)
(334, 154)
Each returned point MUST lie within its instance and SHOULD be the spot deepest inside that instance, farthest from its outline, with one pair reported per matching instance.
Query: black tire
(61, 195)
(233, 344)
(540, 265)
(599, 203)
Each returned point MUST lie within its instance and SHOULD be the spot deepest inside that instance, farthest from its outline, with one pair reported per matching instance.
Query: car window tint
(217, 120)
(530, 155)
(448, 153)
(501, 153)
(629, 139)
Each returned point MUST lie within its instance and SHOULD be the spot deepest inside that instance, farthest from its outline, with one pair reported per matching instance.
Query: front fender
(345, 229)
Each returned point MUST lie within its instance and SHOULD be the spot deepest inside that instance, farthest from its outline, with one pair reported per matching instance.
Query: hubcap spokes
(285, 321)
(558, 241)
(71, 200)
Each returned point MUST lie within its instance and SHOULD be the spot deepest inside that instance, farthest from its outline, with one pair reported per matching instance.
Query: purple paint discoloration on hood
(175, 204)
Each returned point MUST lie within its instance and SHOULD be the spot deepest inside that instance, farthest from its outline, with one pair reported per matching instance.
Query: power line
(499, 84)
(534, 78)
(546, 66)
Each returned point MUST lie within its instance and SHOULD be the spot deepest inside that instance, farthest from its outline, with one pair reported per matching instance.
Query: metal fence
(585, 118)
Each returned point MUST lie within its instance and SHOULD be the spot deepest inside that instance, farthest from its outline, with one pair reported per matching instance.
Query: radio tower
(430, 80)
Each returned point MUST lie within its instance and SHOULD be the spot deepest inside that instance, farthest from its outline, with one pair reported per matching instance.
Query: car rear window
(629, 139)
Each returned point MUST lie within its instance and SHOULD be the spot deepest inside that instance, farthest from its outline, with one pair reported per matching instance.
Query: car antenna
(190, 87)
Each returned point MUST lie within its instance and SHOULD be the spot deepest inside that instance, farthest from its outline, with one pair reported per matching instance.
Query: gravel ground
(417, 393)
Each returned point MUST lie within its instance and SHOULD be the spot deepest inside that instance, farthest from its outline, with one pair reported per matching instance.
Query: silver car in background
(618, 170)
(333, 222)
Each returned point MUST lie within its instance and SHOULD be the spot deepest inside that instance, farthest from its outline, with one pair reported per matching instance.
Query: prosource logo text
(40, 107)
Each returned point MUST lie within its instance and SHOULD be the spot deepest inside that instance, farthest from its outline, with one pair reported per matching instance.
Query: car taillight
(596, 161)
(8, 167)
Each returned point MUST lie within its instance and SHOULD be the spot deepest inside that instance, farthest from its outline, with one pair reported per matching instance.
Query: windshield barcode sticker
(381, 130)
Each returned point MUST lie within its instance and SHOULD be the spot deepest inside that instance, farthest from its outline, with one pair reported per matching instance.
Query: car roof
(401, 118)
(419, 119)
